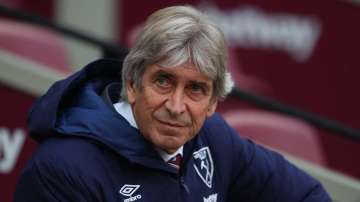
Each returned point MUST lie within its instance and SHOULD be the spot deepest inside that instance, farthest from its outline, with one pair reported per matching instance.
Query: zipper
(182, 183)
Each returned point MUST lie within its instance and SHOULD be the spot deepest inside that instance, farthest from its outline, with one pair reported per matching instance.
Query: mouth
(171, 124)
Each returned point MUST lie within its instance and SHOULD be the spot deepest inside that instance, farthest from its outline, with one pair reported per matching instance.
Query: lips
(163, 117)
(171, 123)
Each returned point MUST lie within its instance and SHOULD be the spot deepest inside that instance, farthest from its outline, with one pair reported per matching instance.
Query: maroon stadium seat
(279, 132)
(35, 44)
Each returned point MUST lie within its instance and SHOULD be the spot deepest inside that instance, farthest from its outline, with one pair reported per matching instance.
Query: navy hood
(75, 107)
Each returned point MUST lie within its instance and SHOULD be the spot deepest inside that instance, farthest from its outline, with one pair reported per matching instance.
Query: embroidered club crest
(204, 165)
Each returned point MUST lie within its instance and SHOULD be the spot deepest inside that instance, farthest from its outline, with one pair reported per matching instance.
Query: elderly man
(160, 138)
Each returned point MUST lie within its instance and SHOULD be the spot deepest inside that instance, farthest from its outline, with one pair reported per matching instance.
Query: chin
(170, 143)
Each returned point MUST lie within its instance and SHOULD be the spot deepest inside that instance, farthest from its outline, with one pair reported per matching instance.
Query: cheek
(147, 103)
(151, 97)
(198, 114)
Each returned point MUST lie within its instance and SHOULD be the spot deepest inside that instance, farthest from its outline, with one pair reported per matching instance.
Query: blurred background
(304, 54)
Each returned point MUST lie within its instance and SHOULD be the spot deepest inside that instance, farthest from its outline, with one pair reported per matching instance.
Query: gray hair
(175, 36)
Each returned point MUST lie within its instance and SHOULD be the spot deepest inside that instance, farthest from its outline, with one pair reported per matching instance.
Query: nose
(175, 104)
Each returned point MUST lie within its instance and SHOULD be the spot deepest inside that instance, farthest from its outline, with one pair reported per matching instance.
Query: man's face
(171, 105)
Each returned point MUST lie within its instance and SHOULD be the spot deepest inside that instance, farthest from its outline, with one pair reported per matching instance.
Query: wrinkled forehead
(186, 73)
(205, 75)
(186, 65)
(183, 60)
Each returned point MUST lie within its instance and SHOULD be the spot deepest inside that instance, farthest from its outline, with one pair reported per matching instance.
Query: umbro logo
(128, 190)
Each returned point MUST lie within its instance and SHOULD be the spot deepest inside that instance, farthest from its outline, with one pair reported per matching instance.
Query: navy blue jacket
(89, 152)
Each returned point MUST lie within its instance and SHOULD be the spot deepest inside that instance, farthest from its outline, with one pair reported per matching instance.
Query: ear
(211, 108)
(130, 91)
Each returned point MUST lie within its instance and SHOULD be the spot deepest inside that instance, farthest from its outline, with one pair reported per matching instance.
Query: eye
(197, 91)
(196, 88)
(162, 81)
